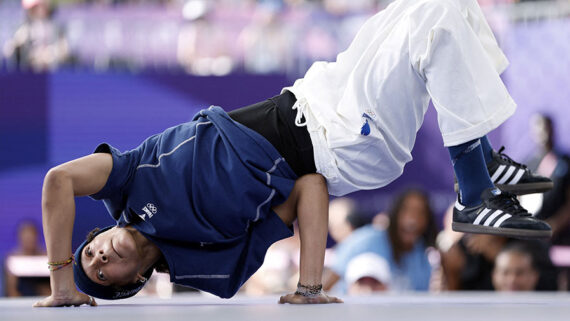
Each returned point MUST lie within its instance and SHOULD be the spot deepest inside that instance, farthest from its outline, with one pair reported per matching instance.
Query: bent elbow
(57, 186)
(56, 177)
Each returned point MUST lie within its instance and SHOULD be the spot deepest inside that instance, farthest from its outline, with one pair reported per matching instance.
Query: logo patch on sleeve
(150, 209)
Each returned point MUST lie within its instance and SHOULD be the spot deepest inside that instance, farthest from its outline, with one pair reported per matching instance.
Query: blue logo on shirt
(365, 129)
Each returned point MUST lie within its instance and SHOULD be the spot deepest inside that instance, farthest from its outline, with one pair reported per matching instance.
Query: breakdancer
(205, 199)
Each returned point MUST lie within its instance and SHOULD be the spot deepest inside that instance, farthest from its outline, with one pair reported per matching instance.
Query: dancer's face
(112, 258)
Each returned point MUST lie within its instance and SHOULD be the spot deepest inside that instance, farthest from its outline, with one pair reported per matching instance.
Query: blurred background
(74, 73)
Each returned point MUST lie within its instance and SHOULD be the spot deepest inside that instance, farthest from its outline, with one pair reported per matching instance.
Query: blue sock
(487, 149)
(471, 171)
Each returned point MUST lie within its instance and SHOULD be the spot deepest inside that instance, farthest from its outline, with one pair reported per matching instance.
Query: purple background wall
(538, 80)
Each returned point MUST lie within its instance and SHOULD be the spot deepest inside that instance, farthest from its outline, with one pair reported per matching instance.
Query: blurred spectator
(403, 245)
(342, 7)
(28, 245)
(344, 218)
(447, 237)
(318, 38)
(519, 266)
(284, 36)
(339, 226)
(39, 44)
(367, 273)
(279, 272)
(203, 46)
(469, 263)
(553, 206)
(445, 240)
(265, 43)
(515, 270)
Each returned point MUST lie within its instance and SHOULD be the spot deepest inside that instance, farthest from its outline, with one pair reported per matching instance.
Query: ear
(140, 278)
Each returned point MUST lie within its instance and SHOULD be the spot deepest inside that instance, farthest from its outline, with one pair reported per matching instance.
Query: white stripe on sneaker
(492, 217)
(459, 206)
(502, 219)
(481, 216)
(498, 173)
(507, 175)
(517, 177)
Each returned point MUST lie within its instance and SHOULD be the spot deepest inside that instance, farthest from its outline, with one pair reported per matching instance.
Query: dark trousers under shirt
(274, 119)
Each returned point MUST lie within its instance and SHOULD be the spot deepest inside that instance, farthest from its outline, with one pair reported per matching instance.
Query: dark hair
(547, 119)
(523, 248)
(357, 218)
(540, 261)
(429, 234)
(91, 235)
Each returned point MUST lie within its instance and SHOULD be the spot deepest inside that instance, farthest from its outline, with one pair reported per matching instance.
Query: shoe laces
(508, 203)
(509, 160)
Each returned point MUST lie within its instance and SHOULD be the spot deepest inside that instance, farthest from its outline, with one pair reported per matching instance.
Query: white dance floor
(479, 306)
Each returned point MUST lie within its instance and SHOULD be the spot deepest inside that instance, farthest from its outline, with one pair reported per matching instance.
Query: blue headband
(89, 287)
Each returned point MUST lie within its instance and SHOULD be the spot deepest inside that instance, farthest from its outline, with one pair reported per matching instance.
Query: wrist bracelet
(54, 266)
(309, 290)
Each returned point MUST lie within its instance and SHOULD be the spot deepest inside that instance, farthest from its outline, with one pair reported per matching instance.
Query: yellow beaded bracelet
(53, 266)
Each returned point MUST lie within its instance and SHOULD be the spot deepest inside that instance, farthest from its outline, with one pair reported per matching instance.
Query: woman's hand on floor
(317, 299)
(75, 298)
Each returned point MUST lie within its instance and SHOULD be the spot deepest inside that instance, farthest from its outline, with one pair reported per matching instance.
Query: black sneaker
(510, 176)
(499, 214)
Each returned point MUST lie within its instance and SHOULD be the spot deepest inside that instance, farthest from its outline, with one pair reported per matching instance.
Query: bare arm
(80, 177)
(561, 218)
(309, 200)
(330, 279)
(11, 284)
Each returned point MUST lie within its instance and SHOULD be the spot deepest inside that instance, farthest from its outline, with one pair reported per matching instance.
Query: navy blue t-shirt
(202, 191)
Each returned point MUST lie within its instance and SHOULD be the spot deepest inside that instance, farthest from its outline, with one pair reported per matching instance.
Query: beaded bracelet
(54, 266)
(309, 290)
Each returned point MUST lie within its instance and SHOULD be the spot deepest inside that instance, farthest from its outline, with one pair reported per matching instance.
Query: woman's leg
(459, 69)
(415, 51)
(471, 100)
(364, 110)
(470, 170)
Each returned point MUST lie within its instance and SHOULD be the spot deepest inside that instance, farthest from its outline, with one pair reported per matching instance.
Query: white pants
(364, 110)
